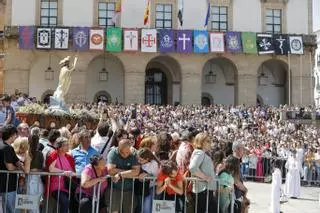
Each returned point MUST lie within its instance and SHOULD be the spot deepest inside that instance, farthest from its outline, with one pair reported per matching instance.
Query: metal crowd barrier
(259, 169)
(41, 202)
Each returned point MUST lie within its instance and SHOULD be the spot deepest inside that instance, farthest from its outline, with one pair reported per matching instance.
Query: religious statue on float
(57, 101)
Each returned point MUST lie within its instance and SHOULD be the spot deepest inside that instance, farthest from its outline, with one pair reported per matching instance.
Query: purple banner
(233, 42)
(166, 41)
(184, 41)
(26, 37)
(81, 38)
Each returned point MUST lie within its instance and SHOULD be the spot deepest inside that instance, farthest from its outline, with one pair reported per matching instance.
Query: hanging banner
(114, 40)
(149, 40)
(61, 38)
(296, 45)
(249, 42)
(265, 44)
(217, 42)
(163, 206)
(281, 44)
(26, 35)
(96, 39)
(43, 38)
(131, 40)
(201, 43)
(166, 41)
(184, 41)
(233, 42)
(81, 38)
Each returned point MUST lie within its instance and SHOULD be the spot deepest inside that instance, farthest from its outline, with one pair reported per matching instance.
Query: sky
(316, 15)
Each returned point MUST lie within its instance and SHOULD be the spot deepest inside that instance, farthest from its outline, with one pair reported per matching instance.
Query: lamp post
(210, 77)
(49, 72)
(103, 74)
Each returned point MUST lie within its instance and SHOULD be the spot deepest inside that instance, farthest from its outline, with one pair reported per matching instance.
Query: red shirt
(174, 181)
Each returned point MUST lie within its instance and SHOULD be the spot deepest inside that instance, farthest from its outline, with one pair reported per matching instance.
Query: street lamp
(103, 75)
(49, 72)
(211, 77)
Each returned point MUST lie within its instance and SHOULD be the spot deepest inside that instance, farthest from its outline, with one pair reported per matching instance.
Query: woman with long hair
(34, 185)
(226, 183)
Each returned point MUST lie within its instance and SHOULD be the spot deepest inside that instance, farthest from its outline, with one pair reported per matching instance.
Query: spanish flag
(147, 13)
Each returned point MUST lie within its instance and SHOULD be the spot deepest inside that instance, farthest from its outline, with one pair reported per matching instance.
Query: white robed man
(64, 78)
(276, 188)
(293, 178)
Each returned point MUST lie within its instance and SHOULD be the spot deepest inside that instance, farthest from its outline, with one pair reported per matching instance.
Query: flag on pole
(180, 12)
(208, 15)
(147, 13)
(117, 13)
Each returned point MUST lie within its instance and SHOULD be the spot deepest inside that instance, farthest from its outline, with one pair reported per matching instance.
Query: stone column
(134, 78)
(191, 80)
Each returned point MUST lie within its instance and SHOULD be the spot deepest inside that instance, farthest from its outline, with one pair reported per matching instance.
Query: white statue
(64, 78)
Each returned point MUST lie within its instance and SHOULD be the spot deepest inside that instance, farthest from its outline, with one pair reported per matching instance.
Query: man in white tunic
(276, 188)
(293, 178)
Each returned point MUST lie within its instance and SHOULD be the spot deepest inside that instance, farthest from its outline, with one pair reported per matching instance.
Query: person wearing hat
(64, 78)
(293, 177)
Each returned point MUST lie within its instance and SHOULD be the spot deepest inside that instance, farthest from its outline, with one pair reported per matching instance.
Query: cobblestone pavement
(259, 194)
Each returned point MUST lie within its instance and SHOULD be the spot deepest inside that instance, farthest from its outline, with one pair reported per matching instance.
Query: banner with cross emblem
(61, 38)
(43, 38)
(149, 40)
(281, 44)
(131, 40)
(184, 41)
(81, 38)
(296, 45)
(265, 44)
(217, 42)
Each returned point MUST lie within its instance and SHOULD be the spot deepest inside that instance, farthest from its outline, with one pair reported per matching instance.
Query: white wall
(316, 15)
(297, 16)
(132, 13)
(220, 92)
(271, 94)
(23, 12)
(247, 16)
(78, 13)
(195, 13)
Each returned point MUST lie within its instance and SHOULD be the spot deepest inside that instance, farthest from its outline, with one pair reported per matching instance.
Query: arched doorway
(162, 81)
(156, 87)
(105, 73)
(219, 80)
(45, 98)
(102, 96)
(272, 82)
(206, 99)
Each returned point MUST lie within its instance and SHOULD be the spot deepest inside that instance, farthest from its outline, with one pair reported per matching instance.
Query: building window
(273, 21)
(219, 18)
(106, 14)
(49, 12)
(164, 16)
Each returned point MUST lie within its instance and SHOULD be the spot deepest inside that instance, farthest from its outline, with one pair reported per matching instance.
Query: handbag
(70, 183)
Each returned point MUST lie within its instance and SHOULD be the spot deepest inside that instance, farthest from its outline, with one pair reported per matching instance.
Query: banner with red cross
(149, 40)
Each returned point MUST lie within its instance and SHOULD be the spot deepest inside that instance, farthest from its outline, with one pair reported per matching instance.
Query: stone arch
(206, 99)
(100, 94)
(171, 69)
(37, 83)
(223, 90)
(45, 97)
(115, 83)
(272, 82)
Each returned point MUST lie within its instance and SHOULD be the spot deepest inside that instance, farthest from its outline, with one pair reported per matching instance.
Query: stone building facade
(183, 77)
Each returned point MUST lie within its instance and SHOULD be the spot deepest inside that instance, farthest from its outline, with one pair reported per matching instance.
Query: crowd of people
(221, 146)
